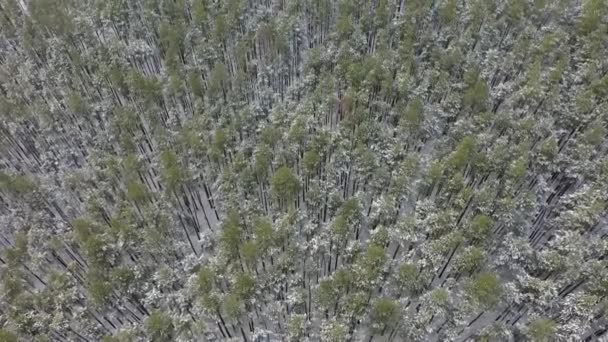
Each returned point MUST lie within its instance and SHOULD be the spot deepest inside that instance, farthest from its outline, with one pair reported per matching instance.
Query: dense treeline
(264, 170)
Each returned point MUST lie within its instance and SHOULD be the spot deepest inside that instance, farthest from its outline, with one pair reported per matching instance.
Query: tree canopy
(303, 170)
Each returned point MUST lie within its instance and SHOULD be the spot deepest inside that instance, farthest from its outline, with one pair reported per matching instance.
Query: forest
(303, 170)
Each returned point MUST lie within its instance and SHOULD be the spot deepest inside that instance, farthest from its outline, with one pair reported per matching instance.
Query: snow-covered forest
(303, 170)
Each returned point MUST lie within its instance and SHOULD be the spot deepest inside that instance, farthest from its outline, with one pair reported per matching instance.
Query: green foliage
(470, 260)
(407, 278)
(285, 185)
(405, 173)
(591, 18)
(600, 87)
(244, 286)
(136, 192)
(382, 13)
(366, 160)
(518, 168)
(311, 161)
(584, 102)
(447, 13)
(77, 104)
(270, 136)
(485, 290)
(463, 154)
(194, 80)
(264, 234)
(159, 327)
(210, 302)
(171, 38)
(595, 134)
(380, 236)
(434, 173)
(295, 326)
(297, 131)
(334, 332)
(372, 262)
(122, 277)
(476, 94)
(173, 10)
(175, 80)
(351, 210)
(221, 29)
(232, 306)
(340, 228)
(12, 284)
(231, 234)
(200, 12)
(480, 227)
(262, 162)
(53, 15)
(356, 304)
(549, 148)
(327, 293)
(148, 89)
(344, 279)
(7, 336)
(249, 250)
(96, 248)
(16, 184)
(126, 120)
(117, 78)
(344, 24)
(398, 140)
(515, 10)
(440, 297)
(99, 290)
(220, 142)
(18, 253)
(172, 174)
(219, 79)
(205, 280)
(542, 330)
(385, 313)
